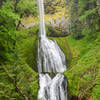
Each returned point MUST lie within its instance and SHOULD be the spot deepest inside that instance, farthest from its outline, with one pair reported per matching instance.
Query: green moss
(22, 69)
(27, 47)
(52, 31)
(83, 71)
(18, 80)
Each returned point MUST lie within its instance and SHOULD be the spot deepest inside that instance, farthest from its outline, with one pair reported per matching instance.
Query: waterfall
(50, 59)
(52, 89)
(50, 56)
(42, 21)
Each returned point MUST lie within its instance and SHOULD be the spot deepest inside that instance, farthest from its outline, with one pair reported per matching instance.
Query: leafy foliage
(53, 6)
(11, 13)
(84, 70)
(7, 28)
(84, 15)
(18, 81)
(27, 7)
(18, 77)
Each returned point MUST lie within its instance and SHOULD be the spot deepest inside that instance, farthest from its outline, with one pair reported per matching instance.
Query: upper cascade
(50, 56)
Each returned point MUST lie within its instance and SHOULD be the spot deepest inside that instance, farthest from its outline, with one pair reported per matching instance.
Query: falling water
(52, 89)
(42, 21)
(50, 59)
(50, 56)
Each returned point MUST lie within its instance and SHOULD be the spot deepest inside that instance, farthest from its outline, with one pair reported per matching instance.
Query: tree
(51, 6)
(84, 18)
(75, 23)
(12, 11)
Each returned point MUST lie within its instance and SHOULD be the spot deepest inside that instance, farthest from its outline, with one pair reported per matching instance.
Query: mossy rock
(27, 47)
(54, 32)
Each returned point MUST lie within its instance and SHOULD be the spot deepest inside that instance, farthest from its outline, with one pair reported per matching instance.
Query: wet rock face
(62, 24)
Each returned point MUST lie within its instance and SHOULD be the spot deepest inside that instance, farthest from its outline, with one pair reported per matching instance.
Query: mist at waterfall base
(50, 59)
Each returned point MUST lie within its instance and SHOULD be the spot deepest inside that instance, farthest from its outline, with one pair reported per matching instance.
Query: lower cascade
(52, 89)
(51, 59)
